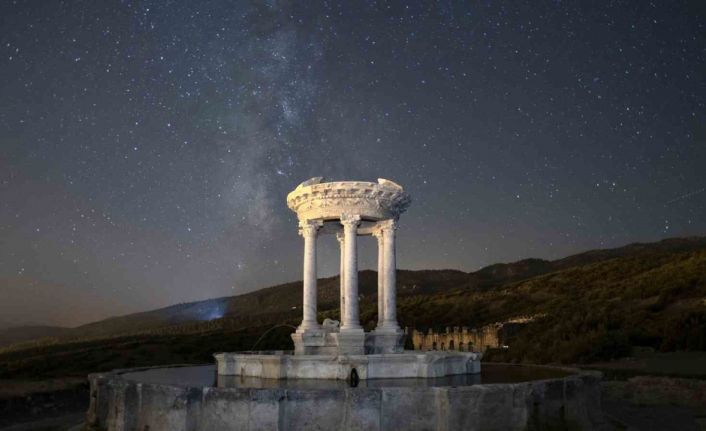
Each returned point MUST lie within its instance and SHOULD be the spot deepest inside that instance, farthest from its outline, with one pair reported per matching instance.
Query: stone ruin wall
(470, 340)
(459, 339)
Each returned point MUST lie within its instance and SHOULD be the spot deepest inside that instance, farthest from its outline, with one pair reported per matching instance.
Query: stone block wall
(572, 403)
(457, 338)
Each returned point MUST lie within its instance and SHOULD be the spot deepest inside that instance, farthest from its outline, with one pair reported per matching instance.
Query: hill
(14, 334)
(596, 305)
(265, 305)
(589, 312)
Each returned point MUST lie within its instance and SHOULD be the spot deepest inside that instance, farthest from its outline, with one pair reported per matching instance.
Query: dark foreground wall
(43, 404)
(565, 403)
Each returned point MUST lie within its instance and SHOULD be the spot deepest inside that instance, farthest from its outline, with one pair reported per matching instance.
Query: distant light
(216, 311)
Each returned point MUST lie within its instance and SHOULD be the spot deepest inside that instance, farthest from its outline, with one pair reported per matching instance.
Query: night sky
(146, 148)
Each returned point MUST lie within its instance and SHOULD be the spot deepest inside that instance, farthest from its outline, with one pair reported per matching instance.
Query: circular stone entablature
(317, 200)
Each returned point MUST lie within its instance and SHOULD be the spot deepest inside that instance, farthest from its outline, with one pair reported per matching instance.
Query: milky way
(147, 147)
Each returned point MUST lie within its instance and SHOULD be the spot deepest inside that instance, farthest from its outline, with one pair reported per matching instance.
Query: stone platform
(171, 399)
(410, 364)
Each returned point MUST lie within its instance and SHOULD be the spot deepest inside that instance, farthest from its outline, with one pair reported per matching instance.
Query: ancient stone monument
(349, 209)
(387, 388)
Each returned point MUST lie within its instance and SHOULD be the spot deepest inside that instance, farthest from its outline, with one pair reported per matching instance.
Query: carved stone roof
(314, 199)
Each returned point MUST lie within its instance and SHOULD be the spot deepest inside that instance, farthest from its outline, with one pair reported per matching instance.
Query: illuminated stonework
(342, 207)
(315, 200)
(348, 209)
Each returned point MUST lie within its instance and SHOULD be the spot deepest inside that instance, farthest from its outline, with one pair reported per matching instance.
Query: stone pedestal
(408, 364)
(314, 342)
(320, 341)
(382, 341)
(351, 341)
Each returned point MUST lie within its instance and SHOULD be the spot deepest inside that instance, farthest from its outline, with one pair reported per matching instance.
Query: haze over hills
(279, 304)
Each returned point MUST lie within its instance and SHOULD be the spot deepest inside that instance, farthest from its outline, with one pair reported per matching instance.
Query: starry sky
(146, 148)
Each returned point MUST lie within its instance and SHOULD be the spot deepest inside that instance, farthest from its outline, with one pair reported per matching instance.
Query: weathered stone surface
(117, 416)
(374, 201)
(162, 407)
(98, 401)
(462, 409)
(266, 412)
(562, 403)
(409, 408)
(344, 207)
(374, 366)
(224, 410)
(314, 410)
(363, 410)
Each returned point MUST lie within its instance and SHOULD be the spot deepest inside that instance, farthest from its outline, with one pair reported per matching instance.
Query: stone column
(390, 274)
(340, 238)
(350, 272)
(308, 230)
(381, 277)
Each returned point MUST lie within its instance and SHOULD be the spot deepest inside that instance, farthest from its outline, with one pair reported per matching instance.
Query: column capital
(309, 227)
(389, 224)
(350, 219)
(377, 232)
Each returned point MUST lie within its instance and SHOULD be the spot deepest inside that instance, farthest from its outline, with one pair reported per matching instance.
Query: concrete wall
(568, 403)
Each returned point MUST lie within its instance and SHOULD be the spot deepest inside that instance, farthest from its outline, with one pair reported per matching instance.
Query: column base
(351, 328)
(385, 340)
(314, 341)
(351, 341)
(388, 326)
(308, 326)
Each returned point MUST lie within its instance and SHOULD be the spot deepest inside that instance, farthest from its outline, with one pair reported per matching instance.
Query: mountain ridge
(592, 307)
(284, 299)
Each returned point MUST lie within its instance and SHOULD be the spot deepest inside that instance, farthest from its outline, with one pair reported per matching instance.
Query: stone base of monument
(503, 397)
(385, 341)
(329, 339)
(330, 352)
(410, 364)
(315, 342)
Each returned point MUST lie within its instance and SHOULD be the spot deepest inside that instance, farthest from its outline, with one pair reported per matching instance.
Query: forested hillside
(594, 305)
(589, 312)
